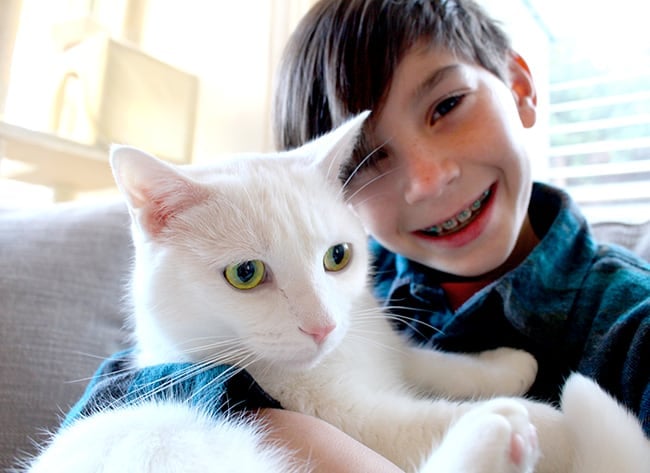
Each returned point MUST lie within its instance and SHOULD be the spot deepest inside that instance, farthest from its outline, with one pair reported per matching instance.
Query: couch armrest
(62, 270)
(635, 237)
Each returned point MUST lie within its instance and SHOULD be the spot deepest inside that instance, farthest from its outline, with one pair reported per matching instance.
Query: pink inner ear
(164, 204)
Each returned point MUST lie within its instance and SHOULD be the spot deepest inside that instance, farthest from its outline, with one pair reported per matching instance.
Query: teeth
(450, 224)
(462, 217)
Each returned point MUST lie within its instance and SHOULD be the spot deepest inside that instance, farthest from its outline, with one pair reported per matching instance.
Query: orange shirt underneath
(458, 292)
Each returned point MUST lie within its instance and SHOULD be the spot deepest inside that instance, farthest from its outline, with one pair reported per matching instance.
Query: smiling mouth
(461, 220)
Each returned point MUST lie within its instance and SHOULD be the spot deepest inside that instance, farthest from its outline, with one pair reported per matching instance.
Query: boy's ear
(523, 89)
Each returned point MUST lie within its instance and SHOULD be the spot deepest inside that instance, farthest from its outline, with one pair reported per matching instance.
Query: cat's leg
(409, 430)
(441, 436)
(499, 372)
(152, 438)
(607, 437)
(496, 437)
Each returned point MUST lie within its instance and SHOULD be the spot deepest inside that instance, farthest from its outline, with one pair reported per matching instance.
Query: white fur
(162, 438)
(287, 210)
(598, 428)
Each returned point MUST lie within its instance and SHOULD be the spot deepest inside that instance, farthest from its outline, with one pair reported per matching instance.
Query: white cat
(258, 262)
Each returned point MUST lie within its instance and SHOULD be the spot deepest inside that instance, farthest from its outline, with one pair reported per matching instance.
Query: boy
(465, 244)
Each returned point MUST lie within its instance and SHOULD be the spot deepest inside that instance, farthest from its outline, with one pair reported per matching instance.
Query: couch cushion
(635, 237)
(61, 283)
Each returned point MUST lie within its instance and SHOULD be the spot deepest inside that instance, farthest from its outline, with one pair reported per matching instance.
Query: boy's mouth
(461, 220)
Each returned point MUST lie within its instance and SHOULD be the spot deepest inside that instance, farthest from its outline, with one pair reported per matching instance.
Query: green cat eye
(337, 257)
(246, 275)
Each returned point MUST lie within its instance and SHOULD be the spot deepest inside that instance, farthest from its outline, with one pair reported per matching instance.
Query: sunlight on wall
(33, 59)
(228, 49)
(234, 52)
(232, 47)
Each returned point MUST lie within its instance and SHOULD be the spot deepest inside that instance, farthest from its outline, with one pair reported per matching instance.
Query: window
(595, 70)
(600, 130)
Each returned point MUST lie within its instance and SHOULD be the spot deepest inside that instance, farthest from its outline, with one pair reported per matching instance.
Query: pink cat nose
(319, 333)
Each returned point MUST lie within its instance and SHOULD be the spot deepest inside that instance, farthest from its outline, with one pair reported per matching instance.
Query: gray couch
(62, 271)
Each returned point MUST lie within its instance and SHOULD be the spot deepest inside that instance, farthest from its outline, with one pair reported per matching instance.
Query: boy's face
(450, 186)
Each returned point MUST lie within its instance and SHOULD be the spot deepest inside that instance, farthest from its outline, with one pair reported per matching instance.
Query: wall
(233, 47)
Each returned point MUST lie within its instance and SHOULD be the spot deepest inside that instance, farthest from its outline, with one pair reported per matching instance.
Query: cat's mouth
(462, 219)
(303, 361)
(306, 358)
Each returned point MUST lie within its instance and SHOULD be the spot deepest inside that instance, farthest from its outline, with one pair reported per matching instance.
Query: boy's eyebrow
(431, 81)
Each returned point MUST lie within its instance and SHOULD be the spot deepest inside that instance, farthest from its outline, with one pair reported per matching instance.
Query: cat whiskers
(371, 340)
(227, 351)
(361, 164)
(359, 330)
(223, 353)
(348, 198)
(247, 360)
(215, 345)
(411, 322)
(89, 378)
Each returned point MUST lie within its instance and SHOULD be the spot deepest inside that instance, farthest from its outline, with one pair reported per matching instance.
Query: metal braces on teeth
(461, 218)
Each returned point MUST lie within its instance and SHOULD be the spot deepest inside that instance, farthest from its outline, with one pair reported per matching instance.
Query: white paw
(511, 371)
(496, 436)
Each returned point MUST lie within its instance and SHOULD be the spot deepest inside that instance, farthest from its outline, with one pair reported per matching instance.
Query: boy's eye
(444, 107)
(246, 275)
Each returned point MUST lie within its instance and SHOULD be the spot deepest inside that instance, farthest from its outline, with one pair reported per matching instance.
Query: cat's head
(258, 256)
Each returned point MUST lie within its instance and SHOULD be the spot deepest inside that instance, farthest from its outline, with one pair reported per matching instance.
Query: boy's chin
(481, 264)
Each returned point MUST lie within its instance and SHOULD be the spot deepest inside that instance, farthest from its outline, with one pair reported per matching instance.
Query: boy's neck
(458, 289)
(526, 242)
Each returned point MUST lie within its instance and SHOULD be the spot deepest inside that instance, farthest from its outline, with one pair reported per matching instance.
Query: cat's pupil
(246, 271)
(338, 253)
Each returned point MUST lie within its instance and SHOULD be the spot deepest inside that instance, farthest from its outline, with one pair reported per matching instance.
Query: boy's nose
(427, 177)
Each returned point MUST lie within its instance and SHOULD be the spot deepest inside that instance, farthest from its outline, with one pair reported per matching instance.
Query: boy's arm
(622, 362)
(617, 348)
(321, 445)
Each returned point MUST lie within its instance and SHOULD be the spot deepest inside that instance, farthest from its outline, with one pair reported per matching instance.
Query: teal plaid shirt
(574, 304)
(216, 390)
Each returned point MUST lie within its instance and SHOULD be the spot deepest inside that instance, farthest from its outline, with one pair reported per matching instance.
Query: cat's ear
(154, 190)
(335, 148)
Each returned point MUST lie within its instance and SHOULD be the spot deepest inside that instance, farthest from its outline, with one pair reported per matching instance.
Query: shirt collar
(551, 275)
(554, 271)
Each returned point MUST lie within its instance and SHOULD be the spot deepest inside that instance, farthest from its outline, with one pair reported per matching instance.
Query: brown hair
(340, 59)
